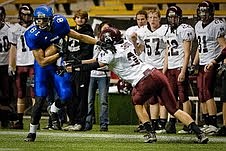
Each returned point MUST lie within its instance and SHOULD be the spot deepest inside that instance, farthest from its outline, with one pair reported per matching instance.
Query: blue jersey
(37, 38)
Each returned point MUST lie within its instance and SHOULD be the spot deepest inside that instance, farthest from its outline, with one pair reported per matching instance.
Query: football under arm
(44, 60)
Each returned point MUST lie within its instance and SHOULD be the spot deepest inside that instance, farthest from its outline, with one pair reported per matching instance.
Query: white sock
(54, 109)
(33, 128)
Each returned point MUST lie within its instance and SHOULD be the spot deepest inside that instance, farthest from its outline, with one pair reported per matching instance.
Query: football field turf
(118, 138)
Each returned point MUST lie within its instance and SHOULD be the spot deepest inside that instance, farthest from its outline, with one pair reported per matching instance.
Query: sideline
(174, 138)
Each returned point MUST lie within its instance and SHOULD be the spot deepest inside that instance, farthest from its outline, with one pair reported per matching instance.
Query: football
(51, 50)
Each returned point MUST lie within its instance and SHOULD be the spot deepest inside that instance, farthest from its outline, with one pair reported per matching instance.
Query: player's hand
(105, 46)
(208, 67)
(11, 71)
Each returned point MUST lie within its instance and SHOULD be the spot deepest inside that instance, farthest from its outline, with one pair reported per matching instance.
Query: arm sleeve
(87, 67)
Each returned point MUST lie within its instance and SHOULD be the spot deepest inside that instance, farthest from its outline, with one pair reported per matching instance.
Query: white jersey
(98, 73)
(24, 55)
(4, 44)
(175, 40)
(125, 63)
(154, 45)
(208, 45)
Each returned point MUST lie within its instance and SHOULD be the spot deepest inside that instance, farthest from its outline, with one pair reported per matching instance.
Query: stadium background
(120, 108)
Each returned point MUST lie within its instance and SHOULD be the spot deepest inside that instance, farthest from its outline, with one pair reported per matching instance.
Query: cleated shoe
(17, 125)
(150, 137)
(140, 129)
(211, 130)
(204, 127)
(30, 137)
(161, 131)
(170, 128)
(104, 129)
(221, 131)
(56, 125)
(67, 128)
(76, 127)
(185, 130)
(202, 139)
(48, 127)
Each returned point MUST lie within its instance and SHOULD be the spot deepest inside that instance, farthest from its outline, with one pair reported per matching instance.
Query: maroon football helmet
(2, 16)
(26, 15)
(205, 11)
(174, 16)
(124, 87)
(111, 35)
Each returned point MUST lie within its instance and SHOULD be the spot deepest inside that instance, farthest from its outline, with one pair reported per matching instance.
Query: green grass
(119, 138)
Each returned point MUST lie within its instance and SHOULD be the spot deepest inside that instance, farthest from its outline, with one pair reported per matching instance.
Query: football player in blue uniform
(47, 31)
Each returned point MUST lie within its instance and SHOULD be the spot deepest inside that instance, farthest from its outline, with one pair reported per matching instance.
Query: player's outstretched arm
(84, 38)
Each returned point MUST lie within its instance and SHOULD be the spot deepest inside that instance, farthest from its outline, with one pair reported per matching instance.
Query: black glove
(61, 46)
(221, 70)
(74, 61)
(192, 69)
(105, 46)
(61, 53)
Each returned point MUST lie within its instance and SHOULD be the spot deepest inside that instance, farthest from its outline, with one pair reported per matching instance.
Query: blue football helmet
(43, 16)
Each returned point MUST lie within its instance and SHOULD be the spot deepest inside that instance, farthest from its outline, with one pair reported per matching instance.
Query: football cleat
(66, 128)
(17, 125)
(140, 129)
(221, 131)
(76, 127)
(150, 137)
(56, 125)
(161, 131)
(211, 130)
(185, 130)
(202, 139)
(30, 137)
(170, 128)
